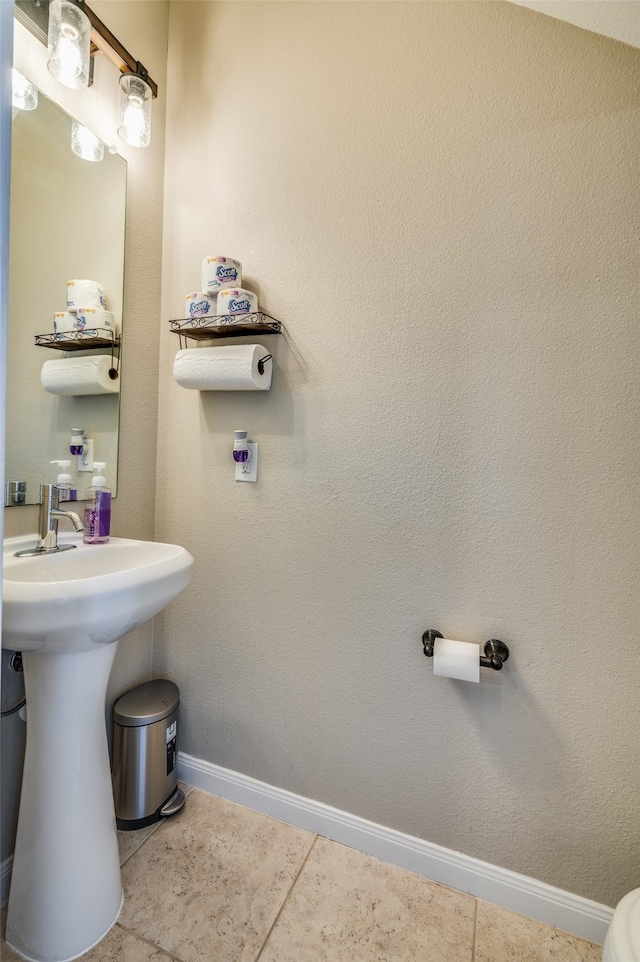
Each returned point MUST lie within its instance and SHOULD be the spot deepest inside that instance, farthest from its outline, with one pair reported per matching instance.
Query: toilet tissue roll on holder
(495, 651)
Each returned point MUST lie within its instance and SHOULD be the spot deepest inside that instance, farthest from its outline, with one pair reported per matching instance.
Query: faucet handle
(48, 492)
(48, 503)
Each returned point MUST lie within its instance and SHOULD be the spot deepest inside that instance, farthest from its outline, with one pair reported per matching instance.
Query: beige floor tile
(6, 954)
(209, 883)
(122, 946)
(129, 842)
(118, 945)
(503, 936)
(348, 906)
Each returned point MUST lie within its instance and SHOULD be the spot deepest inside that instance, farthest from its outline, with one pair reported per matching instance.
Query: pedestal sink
(65, 612)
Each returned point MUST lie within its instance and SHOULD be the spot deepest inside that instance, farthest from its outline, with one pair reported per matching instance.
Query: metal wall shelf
(86, 340)
(225, 325)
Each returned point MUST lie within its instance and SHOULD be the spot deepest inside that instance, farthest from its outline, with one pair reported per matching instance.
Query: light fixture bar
(34, 16)
(106, 41)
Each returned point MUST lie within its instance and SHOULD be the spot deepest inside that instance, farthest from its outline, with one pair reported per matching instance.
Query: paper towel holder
(495, 651)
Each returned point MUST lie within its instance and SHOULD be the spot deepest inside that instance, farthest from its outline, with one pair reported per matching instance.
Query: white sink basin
(73, 600)
(65, 612)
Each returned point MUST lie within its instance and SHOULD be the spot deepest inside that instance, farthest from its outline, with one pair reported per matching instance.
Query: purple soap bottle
(97, 512)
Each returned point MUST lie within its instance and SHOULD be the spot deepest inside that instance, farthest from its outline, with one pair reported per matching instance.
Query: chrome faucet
(48, 519)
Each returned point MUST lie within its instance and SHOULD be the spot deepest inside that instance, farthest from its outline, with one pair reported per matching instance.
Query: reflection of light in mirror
(85, 144)
(69, 41)
(24, 95)
(135, 111)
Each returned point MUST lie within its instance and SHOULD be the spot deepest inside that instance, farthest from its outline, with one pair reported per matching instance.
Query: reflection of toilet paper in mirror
(228, 368)
(64, 321)
(456, 659)
(83, 293)
(96, 318)
(78, 376)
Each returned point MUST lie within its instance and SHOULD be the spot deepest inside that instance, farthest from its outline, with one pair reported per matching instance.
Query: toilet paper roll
(220, 272)
(83, 293)
(96, 318)
(456, 659)
(228, 368)
(234, 301)
(78, 376)
(200, 305)
(64, 321)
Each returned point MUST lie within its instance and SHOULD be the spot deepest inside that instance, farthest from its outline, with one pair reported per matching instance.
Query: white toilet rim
(623, 938)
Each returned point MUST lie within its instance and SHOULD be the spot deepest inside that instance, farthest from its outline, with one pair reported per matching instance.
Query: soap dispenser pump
(63, 481)
(97, 513)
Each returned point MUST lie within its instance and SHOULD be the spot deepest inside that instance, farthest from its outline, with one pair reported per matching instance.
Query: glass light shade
(69, 41)
(84, 143)
(24, 94)
(134, 115)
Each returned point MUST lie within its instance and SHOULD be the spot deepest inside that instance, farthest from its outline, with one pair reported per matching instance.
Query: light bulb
(84, 143)
(69, 42)
(135, 110)
(24, 94)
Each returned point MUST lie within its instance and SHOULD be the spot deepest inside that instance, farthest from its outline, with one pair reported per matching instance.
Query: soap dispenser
(63, 482)
(97, 513)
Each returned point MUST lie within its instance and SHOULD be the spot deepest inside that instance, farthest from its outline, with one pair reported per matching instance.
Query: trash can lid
(147, 703)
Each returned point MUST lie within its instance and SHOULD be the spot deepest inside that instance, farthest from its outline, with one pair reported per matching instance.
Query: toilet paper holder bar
(495, 651)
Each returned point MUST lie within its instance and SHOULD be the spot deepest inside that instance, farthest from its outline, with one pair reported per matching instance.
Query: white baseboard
(5, 878)
(518, 893)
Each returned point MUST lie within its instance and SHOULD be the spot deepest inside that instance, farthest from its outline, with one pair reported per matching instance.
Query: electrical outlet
(248, 470)
(85, 460)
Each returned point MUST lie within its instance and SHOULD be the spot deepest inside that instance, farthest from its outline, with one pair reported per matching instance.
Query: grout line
(155, 945)
(138, 847)
(187, 789)
(475, 931)
(286, 898)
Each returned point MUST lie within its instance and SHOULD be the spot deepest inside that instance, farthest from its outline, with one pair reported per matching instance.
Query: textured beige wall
(441, 201)
(142, 28)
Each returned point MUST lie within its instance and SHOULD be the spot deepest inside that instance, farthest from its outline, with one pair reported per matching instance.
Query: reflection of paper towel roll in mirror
(229, 368)
(78, 376)
(456, 659)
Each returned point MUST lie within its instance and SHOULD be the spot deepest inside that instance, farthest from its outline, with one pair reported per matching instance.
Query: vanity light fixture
(84, 143)
(75, 35)
(69, 43)
(134, 115)
(24, 95)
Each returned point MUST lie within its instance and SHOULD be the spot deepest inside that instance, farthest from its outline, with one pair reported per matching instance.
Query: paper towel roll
(456, 659)
(228, 368)
(77, 376)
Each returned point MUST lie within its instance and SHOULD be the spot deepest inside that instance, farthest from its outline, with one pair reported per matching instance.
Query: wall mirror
(67, 222)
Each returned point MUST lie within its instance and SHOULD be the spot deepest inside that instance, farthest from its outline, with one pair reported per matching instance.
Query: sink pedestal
(65, 611)
(66, 891)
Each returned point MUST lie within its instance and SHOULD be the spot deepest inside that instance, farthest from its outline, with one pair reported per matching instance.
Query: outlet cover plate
(85, 460)
(248, 470)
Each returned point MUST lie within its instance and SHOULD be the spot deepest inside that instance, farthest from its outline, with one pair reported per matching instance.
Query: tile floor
(220, 883)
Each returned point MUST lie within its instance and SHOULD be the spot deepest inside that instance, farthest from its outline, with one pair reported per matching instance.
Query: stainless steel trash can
(145, 753)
